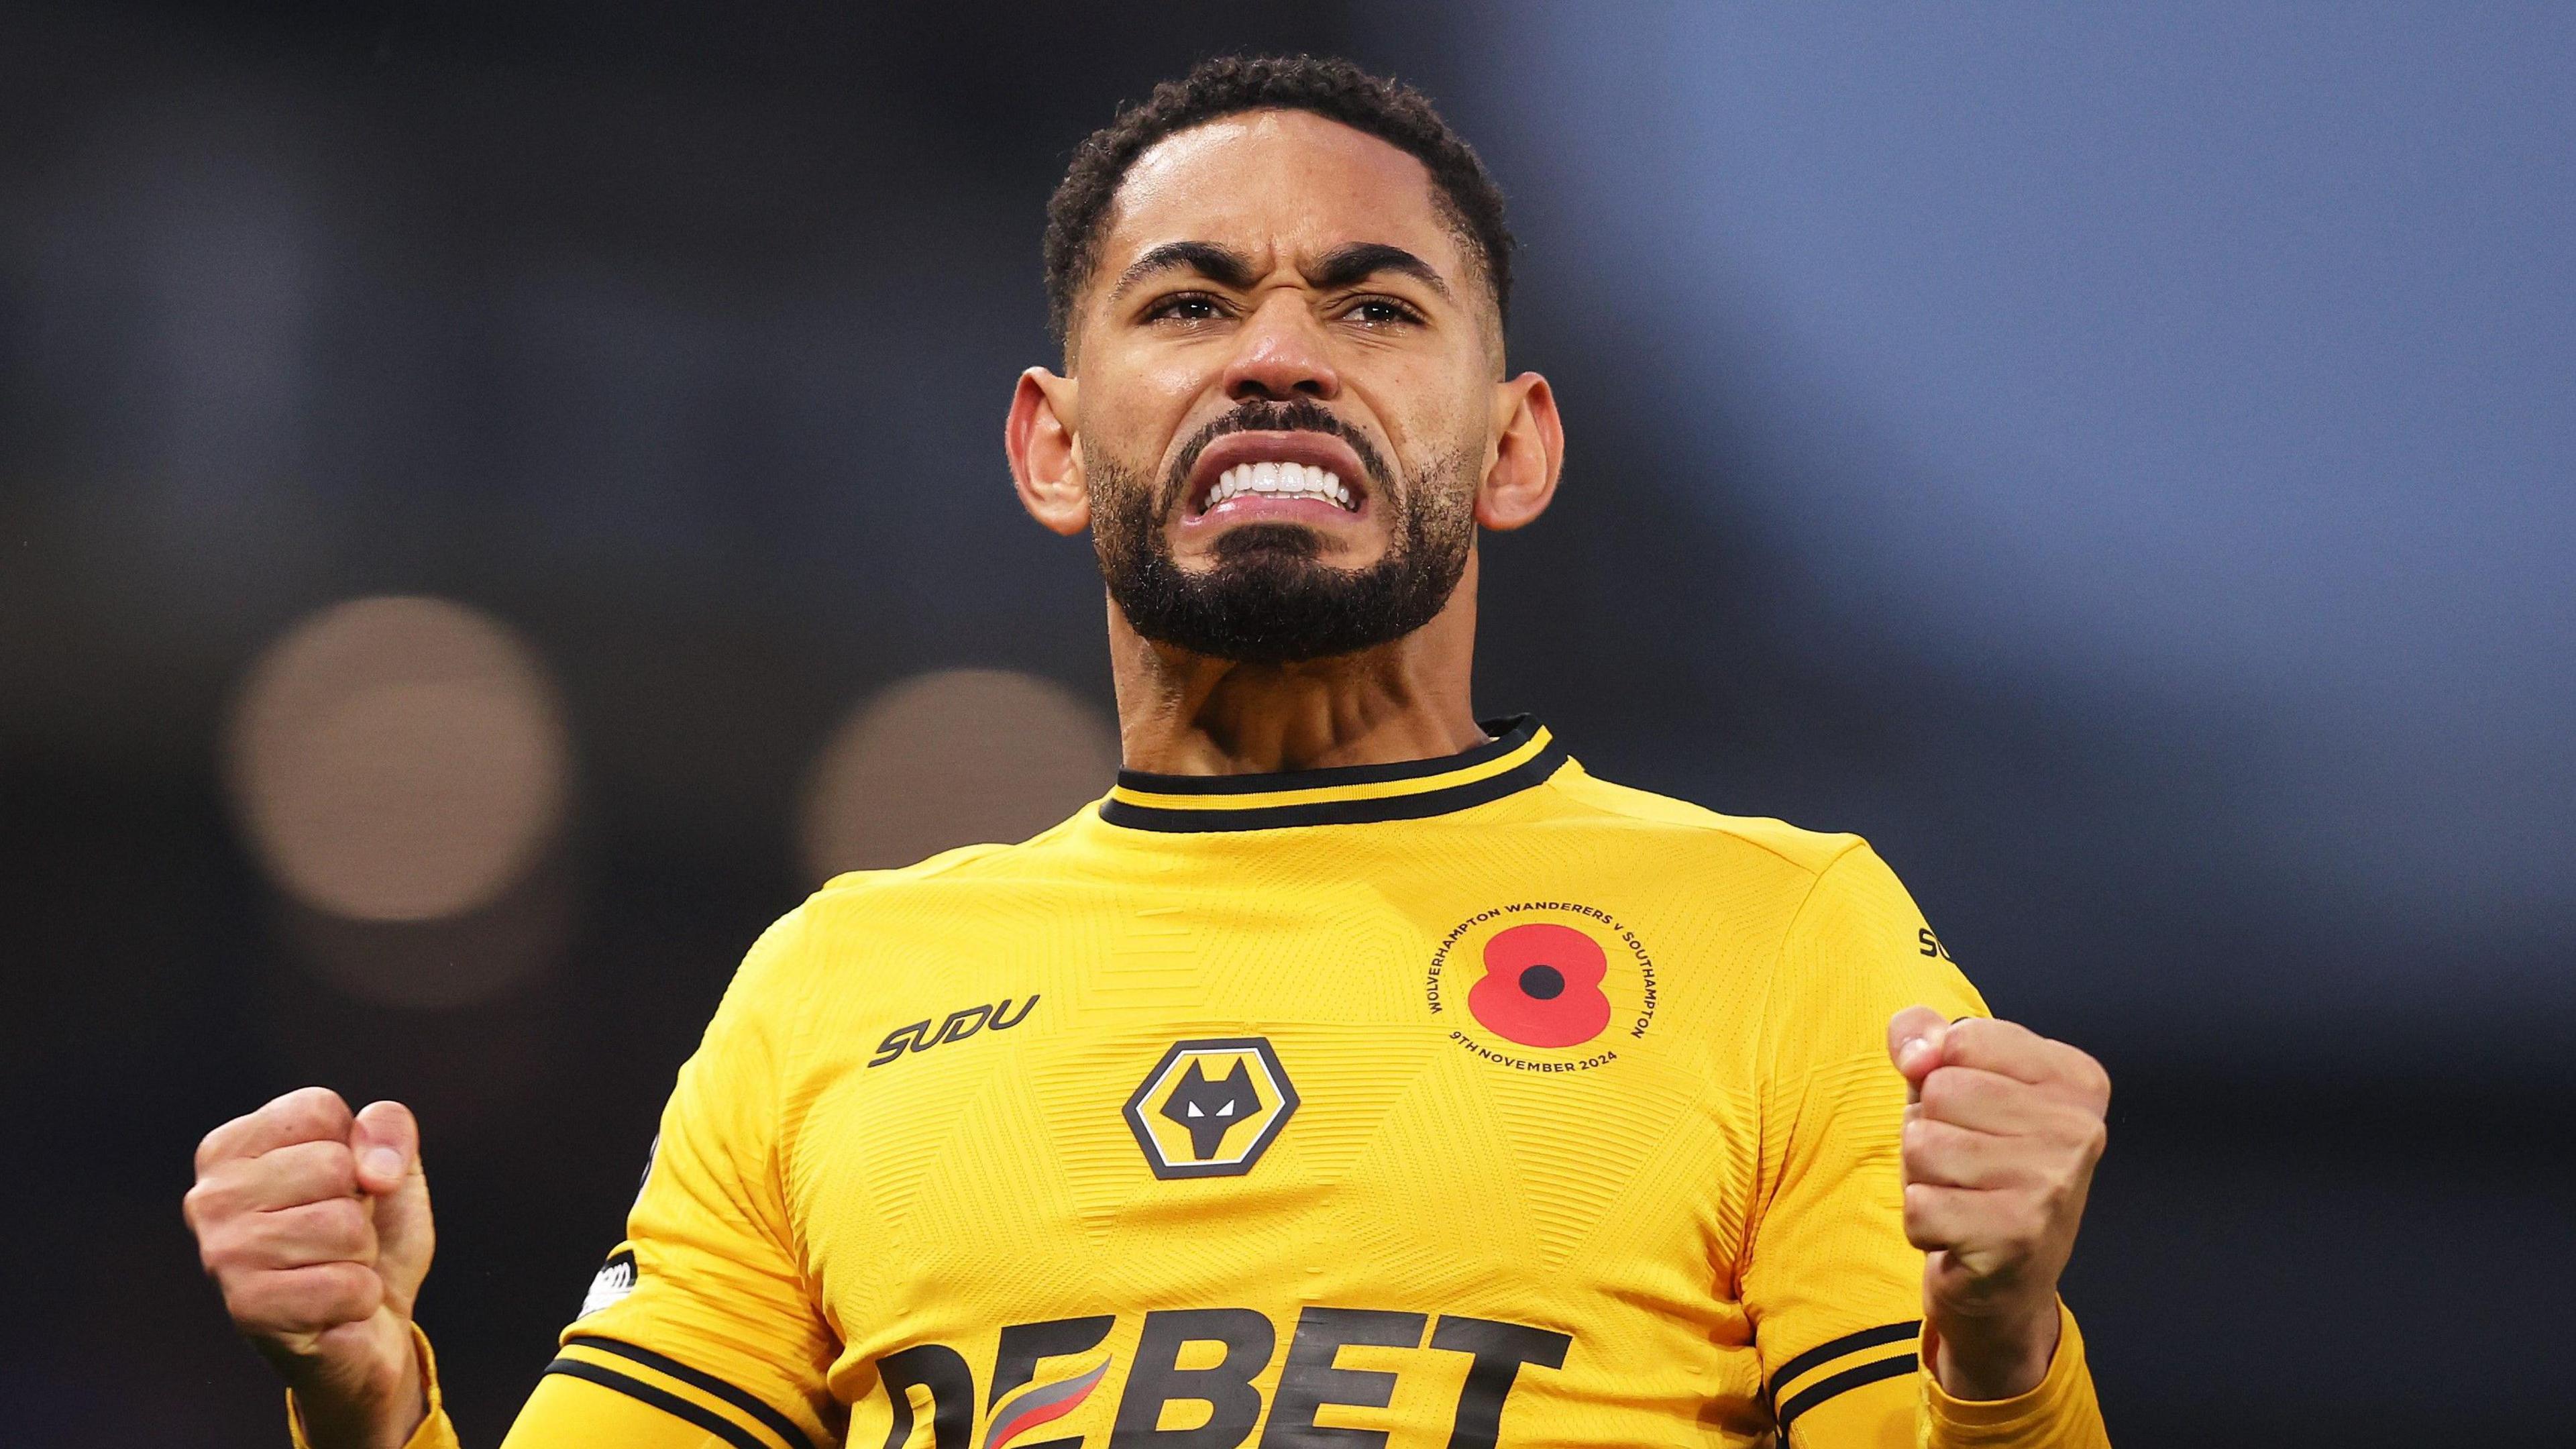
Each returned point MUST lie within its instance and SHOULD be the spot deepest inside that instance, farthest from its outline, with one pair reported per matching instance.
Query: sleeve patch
(615, 1279)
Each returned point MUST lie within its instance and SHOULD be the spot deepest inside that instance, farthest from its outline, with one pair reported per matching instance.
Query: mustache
(1297, 415)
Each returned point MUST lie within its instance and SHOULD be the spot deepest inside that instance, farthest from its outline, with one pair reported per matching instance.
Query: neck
(1187, 714)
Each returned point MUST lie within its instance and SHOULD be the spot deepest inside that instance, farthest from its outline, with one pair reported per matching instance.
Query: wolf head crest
(1186, 1111)
(1207, 1108)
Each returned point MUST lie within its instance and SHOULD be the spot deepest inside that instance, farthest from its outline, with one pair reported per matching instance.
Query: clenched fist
(2000, 1141)
(315, 1224)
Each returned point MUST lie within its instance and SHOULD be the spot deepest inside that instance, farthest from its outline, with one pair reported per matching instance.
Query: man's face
(1287, 362)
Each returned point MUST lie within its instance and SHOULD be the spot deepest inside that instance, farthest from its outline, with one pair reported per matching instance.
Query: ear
(1046, 466)
(1529, 453)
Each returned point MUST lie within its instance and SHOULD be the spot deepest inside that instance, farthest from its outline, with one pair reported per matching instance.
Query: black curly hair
(1327, 86)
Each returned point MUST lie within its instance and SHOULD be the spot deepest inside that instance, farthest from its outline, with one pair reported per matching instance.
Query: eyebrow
(1359, 261)
(1222, 265)
(1341, 267)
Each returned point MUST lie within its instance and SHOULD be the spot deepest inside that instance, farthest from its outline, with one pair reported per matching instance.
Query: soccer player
(1354, 1073)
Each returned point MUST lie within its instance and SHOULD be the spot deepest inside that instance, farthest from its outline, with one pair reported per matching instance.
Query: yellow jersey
(1463, 1102)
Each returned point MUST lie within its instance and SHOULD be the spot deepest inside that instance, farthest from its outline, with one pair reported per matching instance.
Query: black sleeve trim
(669, 1403)
(779, 1424)
(1844, 1382)
(1831, 1349)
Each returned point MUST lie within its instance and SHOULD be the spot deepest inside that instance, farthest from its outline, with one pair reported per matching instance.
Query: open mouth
(1286, 475)
(1279, 480)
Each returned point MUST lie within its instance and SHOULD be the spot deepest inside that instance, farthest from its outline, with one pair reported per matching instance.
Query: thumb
(386, 1141)
(1914, 1038)
(385, 1138)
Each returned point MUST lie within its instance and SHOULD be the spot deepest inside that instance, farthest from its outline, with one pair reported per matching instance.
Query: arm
(2002, 1131)
(1903, 1263)
(314, 1223)
(704, 1325)
(567, 1412)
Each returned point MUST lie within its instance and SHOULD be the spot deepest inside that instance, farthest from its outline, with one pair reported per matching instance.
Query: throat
(1183, 712)
(1218, 717)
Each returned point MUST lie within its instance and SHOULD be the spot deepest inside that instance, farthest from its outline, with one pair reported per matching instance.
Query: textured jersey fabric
(1464, 1102)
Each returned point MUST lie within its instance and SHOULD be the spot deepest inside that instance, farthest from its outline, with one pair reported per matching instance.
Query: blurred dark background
(2119, 463)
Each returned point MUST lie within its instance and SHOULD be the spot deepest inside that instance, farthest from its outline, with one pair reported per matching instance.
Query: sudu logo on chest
(959, 1025)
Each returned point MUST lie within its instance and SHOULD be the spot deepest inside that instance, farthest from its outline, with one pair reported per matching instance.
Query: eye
(1184, 307)
(1381, 312)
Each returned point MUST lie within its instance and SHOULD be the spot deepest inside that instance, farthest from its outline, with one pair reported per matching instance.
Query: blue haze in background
(2213, 363)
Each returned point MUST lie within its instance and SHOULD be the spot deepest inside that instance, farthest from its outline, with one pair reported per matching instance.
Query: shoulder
(1697, 832)
(1786, 883)
(1829, 937)
(854, 898)
(834, 927)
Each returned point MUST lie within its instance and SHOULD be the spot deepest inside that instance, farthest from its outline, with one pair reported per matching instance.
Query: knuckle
(220, 1237)
(314, 1299)
(2078, 1072)
(313, 1112)
(316, 1233)
(348, 1292)
(1914, 1151)
(334, 1168)
(2025, 1223)
(219, 1241)
(342, 1223)
(218, 1259)
(252, 1309)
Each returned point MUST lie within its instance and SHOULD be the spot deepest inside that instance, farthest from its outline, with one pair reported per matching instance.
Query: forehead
(1286, 179)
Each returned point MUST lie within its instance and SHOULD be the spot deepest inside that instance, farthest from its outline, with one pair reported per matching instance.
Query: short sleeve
(705, 1312)
(1834, 1289)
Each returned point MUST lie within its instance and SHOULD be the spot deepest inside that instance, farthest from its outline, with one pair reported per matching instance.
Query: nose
(1281, 354)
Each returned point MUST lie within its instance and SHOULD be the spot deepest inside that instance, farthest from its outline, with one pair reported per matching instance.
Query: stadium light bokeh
(398, 759)
(951, 758)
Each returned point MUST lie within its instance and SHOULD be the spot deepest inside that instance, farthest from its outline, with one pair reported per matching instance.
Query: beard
(1270, 598)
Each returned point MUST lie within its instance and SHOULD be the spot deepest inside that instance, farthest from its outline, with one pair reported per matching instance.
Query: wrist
(1993, 1355)
(373, 1396)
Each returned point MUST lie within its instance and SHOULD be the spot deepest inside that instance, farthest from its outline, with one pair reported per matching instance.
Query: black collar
(1521, 754)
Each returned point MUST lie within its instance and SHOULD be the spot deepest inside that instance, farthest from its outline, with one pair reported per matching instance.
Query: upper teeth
(1279, 480)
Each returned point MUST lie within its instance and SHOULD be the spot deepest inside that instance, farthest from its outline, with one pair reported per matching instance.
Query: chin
(1280, 545)
(1268, 540)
